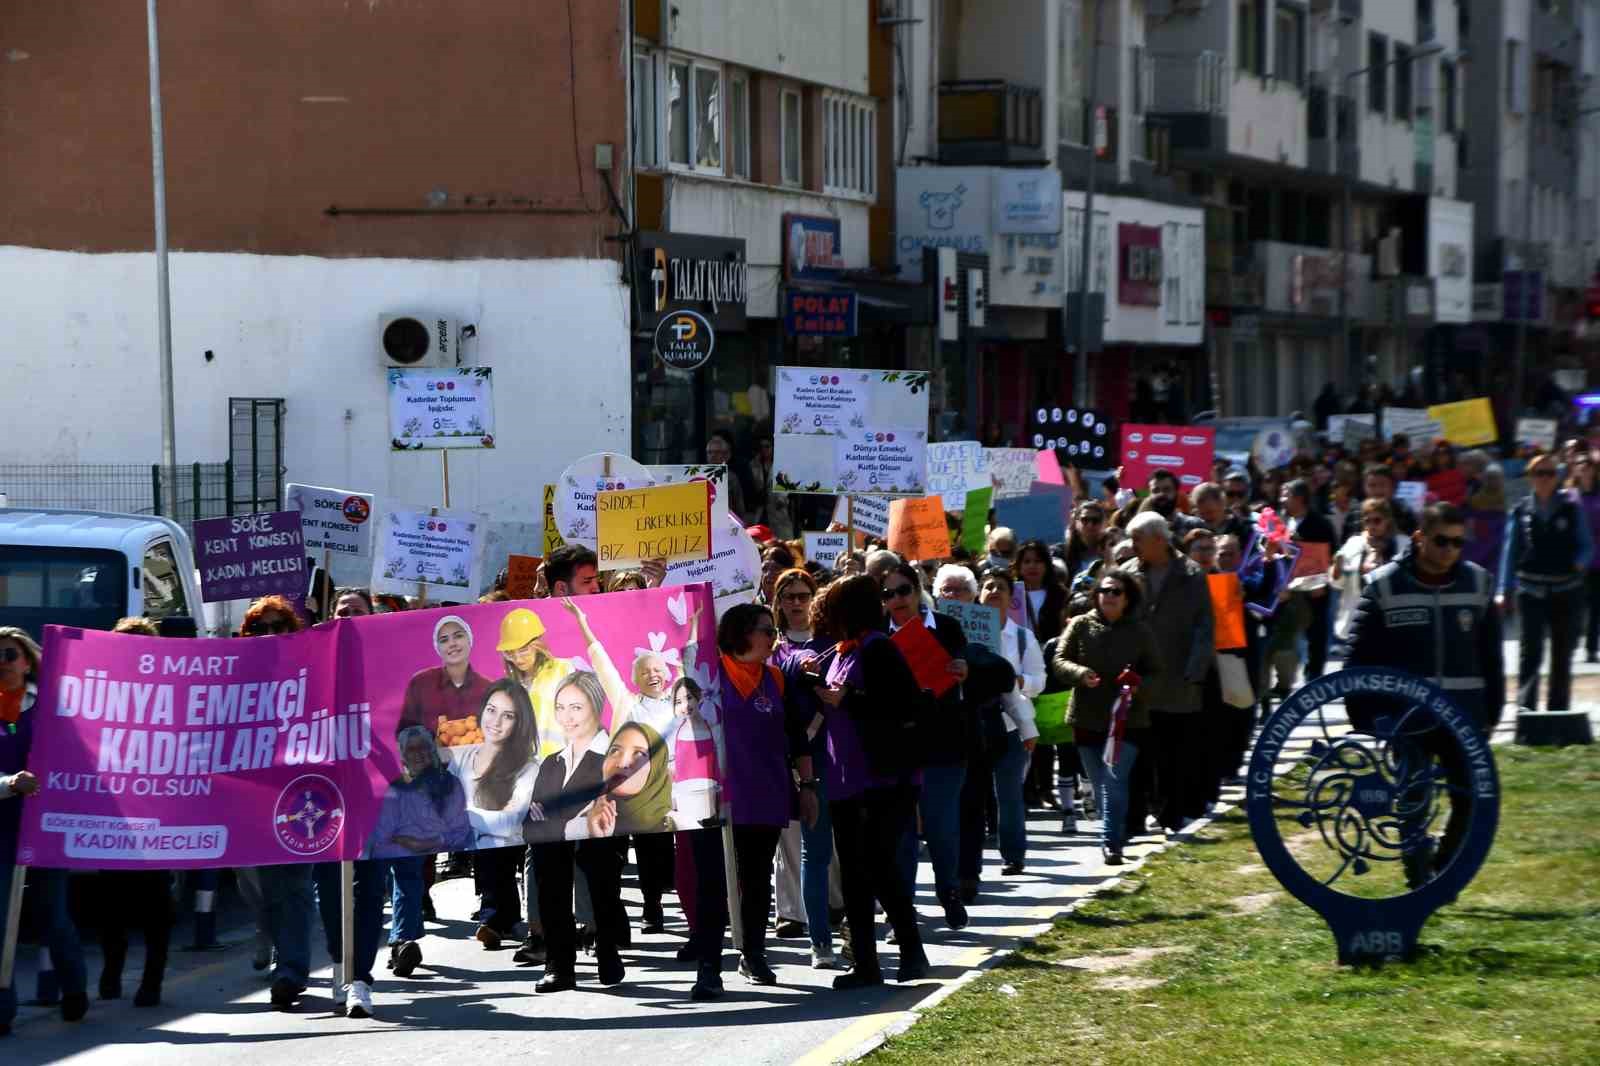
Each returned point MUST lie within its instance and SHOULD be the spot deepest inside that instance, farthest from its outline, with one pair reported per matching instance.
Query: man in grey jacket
(1177, 608)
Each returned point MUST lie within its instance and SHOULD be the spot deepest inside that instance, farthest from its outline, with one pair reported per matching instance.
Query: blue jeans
(816, 856)
(286, 905)
(61, 936)
(406, 922)
(370, 881)
(1111, 785)
(1009, 770)
(940, 805)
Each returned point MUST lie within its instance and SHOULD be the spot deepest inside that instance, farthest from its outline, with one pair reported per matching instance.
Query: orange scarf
(746, 677)
(11, 705)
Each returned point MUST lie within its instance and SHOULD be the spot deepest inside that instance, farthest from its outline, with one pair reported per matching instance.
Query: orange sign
(522, 576)
(917, 528)
(1227, 607)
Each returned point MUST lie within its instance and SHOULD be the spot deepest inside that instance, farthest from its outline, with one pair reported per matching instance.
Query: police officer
(1547, 550)
(1432, 613)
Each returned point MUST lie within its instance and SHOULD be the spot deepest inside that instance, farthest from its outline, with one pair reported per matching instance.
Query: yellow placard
(671, 522)
(552, 534)
(1467, 423)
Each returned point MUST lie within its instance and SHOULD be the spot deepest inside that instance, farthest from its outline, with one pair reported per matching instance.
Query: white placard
(734, 569)
(437, 552)
(715, 473)
(824, 549)
(599, 472)
(1414, 422)
(336, 523)
(501, 540)
(441, 408)
(955, 468)
(871, 515)
(851, 431)
(1012, 471)
(1414, 494)
(1539, 432)
(1351, 430)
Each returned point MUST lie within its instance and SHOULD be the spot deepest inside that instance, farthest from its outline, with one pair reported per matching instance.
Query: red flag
(1119, 726)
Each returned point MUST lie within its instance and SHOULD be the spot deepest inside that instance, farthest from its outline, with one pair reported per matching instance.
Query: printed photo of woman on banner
(425, 809)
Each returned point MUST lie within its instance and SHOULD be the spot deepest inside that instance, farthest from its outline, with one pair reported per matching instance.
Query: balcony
(990, 122)
(1189, 94)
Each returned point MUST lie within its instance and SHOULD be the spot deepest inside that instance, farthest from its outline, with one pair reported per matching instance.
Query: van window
(163, 585)
(42, 586)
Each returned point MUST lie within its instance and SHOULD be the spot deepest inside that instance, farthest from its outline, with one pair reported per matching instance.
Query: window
(644, 111)
(1449, 118)
(1252, 49)
(163, 585)
(1377, 73)
(791, 139)
(678, 113)
(1515, 90)
(1402, 81)
(850, 125)
(694, 115)
(739, 125)
(1171, 273)
(1289, 62)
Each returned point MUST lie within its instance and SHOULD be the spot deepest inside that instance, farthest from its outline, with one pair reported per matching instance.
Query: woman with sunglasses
(946, 769)
(1583, 485)
(1547, 552)
(1091, 658)
(1360, 557)
(19, 680)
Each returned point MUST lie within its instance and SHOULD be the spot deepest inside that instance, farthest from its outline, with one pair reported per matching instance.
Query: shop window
(850, 126)
(1402, 81)
(694, 115)
(792, 139)
(644, 111)
(708, 117)
(1377, 73)
(678, 113)
(739, 125)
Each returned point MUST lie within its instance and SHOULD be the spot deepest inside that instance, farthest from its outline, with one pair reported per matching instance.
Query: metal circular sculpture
(1377, 825)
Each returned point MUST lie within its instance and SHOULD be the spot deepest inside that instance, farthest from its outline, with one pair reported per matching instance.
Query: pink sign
(1187, 451)
(379, 737)
(1048, 468)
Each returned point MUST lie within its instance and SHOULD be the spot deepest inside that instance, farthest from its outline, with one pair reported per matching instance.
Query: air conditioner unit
(418, 340)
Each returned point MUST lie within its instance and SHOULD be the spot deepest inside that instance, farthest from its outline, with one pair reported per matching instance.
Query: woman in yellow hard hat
(529, 663)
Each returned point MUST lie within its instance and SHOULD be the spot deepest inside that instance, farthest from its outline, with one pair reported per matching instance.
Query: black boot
(753, 968)
(707, 983)
(115, 950)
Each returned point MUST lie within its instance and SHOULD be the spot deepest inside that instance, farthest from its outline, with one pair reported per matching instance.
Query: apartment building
(1322, 138)
(761, 142)
(325, 165)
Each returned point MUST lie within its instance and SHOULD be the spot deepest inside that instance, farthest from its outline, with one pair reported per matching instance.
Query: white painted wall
(821, 41)
(83, 333)
(720, 208)
(1388, 145)
(1132, 324)
(1267, 120)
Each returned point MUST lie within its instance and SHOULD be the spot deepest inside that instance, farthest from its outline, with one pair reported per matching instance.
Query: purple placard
(250, 555)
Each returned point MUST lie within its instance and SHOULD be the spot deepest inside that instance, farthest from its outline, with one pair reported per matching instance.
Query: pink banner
(410, 733)
(1185, 451)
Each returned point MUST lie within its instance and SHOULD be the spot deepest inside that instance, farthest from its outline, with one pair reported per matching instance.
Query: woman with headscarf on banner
(497, 777)
(763, 738)
(648, 702)
(19, 680)
(638, 786)
(447, 698)
(557, 828)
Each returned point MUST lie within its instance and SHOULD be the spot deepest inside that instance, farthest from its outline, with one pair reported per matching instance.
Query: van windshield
(42, 586)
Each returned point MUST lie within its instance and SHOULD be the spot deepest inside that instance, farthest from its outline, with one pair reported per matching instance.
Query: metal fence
(202, 490)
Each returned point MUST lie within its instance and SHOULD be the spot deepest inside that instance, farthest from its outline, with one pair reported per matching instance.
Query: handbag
(1234, 678)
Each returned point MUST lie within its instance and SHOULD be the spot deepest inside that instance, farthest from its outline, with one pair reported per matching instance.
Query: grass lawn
(1200, 958)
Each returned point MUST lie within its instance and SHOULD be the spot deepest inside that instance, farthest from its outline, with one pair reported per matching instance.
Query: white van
(90, 568)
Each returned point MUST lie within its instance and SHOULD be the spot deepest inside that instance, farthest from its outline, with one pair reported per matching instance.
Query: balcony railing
(989, 121)
(1189, 83)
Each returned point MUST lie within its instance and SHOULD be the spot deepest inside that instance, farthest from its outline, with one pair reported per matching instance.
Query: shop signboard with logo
(820, 313)
(683, 271)
(813, 248)
(684, 340)
(1027, 201)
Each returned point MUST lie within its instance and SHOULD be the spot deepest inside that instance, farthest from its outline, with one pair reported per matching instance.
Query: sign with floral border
(441, 408)
(836, 430)
(439, 553)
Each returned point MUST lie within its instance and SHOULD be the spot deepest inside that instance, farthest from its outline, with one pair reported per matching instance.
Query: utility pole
(1081, 374)
(158, 177)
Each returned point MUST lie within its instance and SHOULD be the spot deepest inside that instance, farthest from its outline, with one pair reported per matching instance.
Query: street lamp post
(1082, 367)
(158, 176)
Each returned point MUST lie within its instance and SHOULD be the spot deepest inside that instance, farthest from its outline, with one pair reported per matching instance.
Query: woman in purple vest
(761, 740)
(871, 799)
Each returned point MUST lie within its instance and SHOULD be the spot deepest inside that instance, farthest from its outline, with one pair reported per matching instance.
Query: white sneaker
(360, 1000)
(338, 988)
(822, 958)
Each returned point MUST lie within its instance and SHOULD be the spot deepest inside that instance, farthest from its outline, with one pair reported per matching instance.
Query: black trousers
(977, 796)
(867, 831)
(754, 847)
(1591, 599)
(653, 856)
(1317, 636)
(1555, 616)
(141, 898)
(494, 873)
(1179, 765)
(601, 863)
